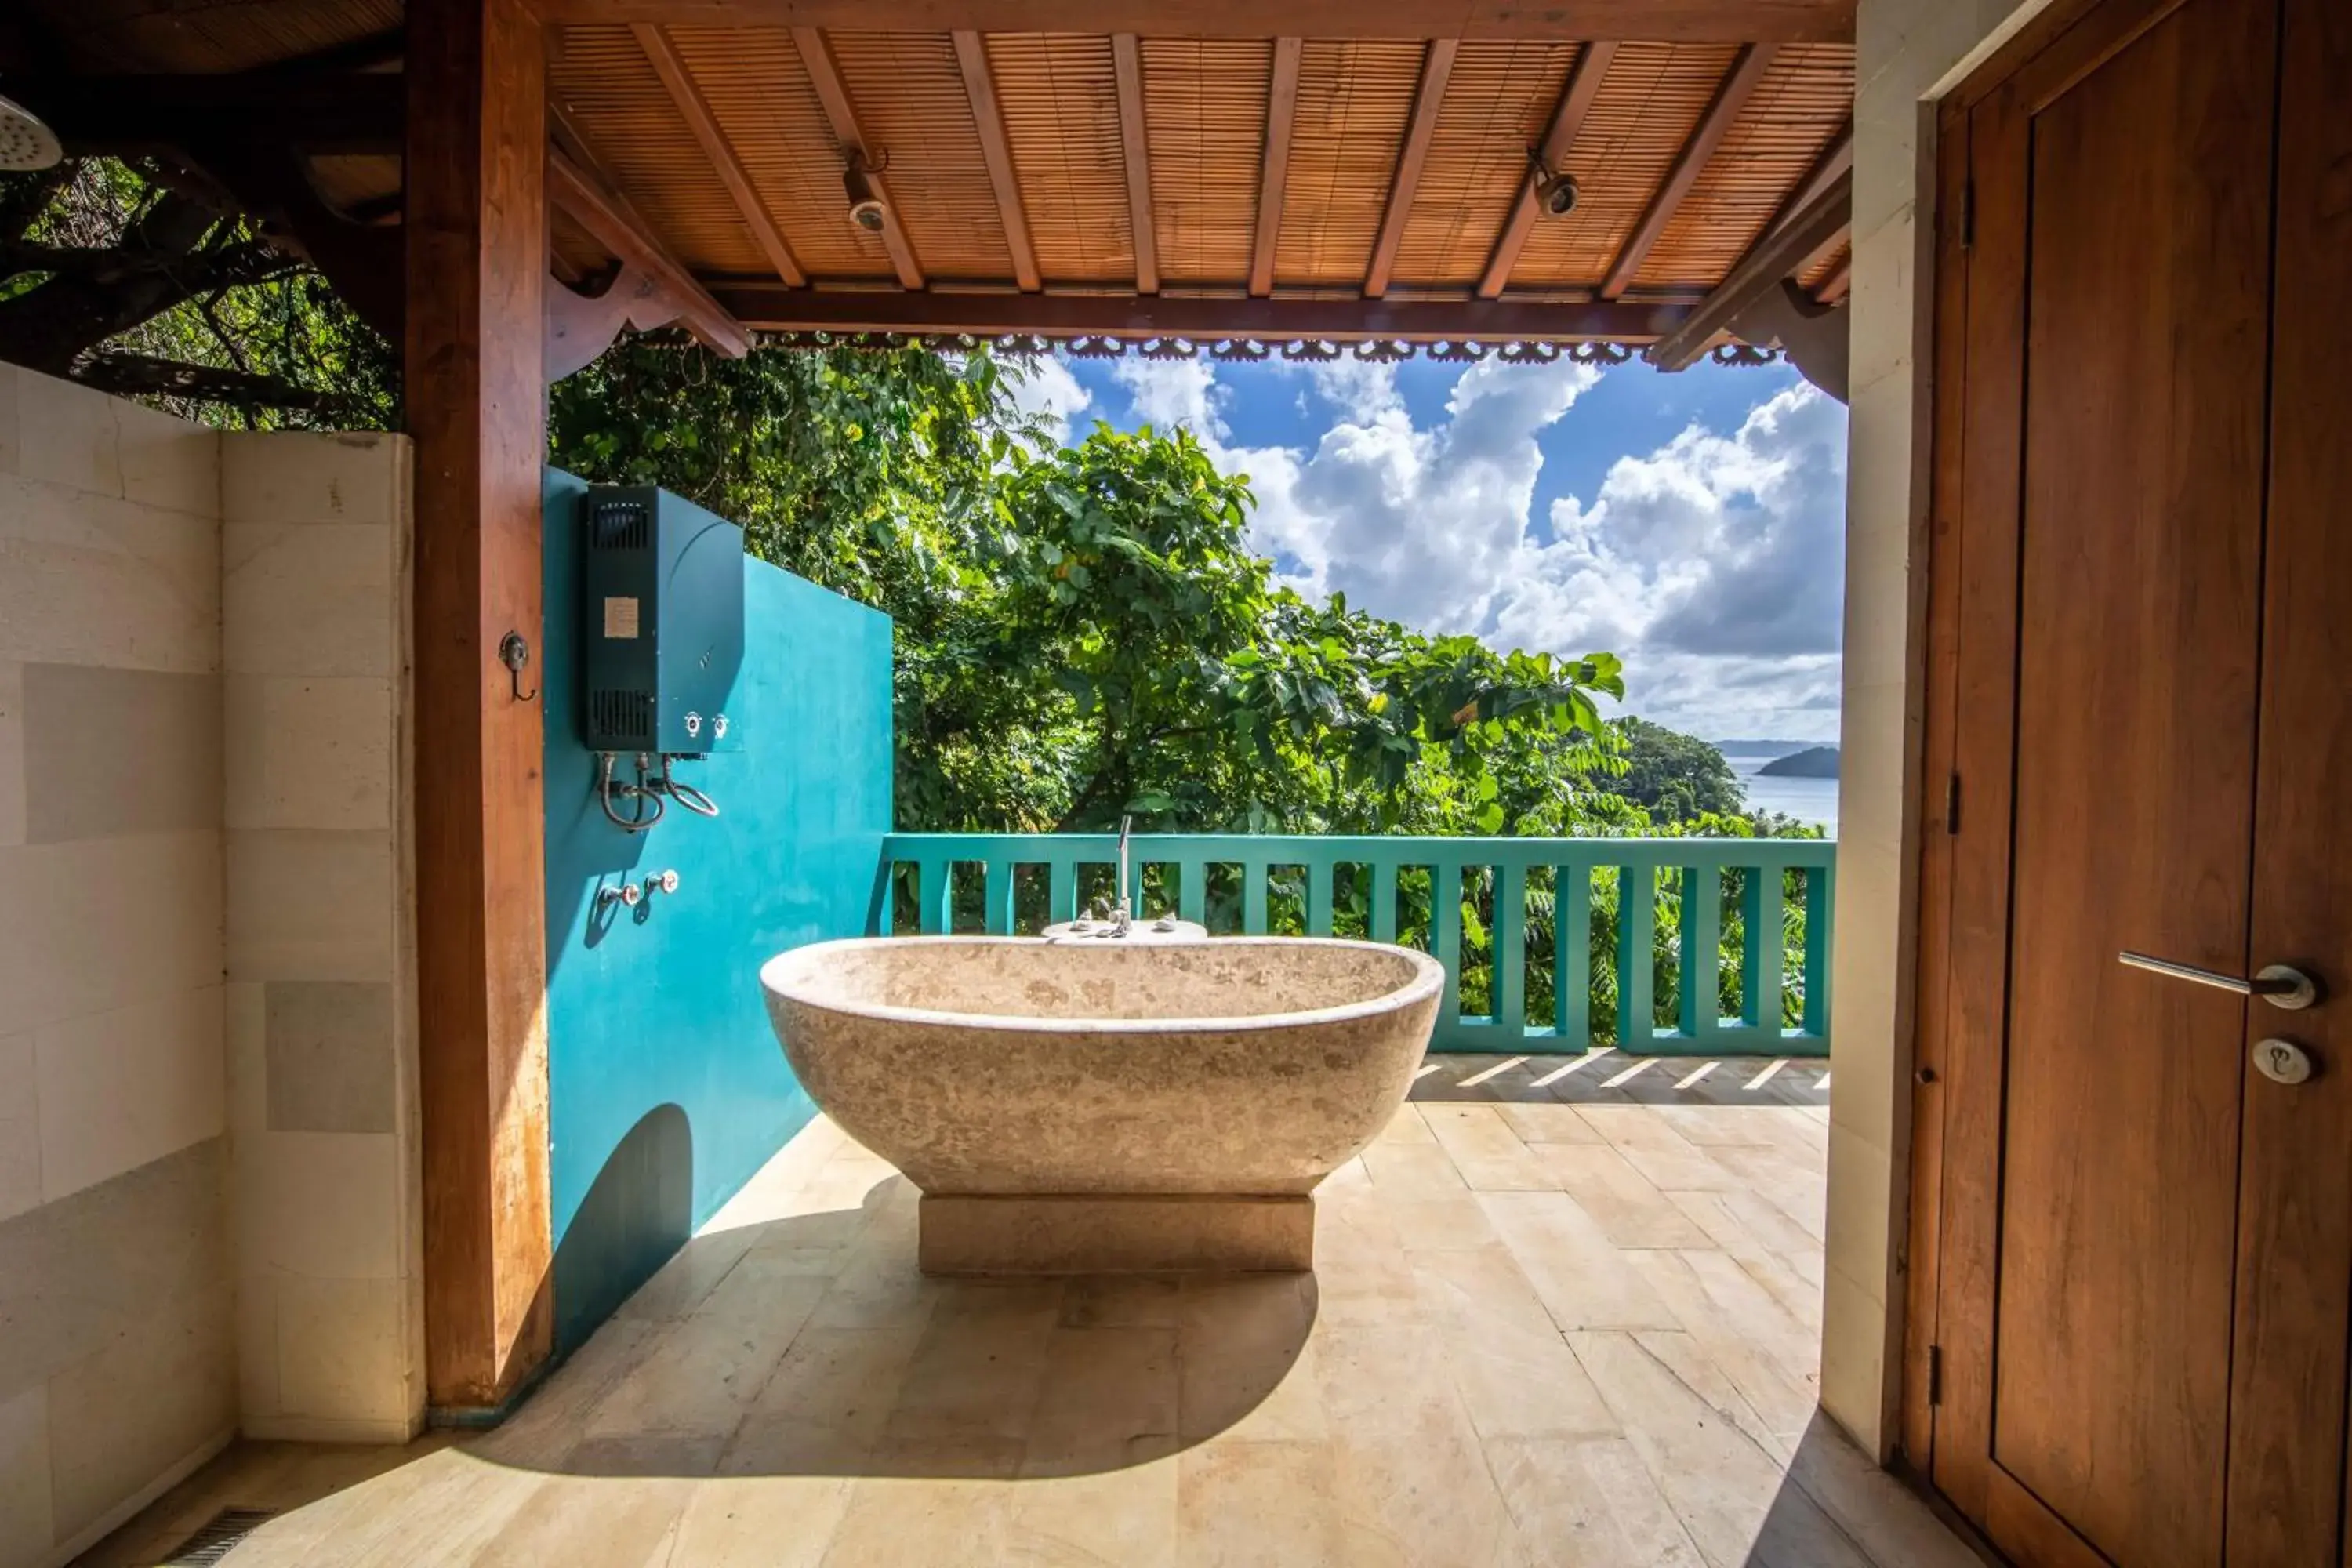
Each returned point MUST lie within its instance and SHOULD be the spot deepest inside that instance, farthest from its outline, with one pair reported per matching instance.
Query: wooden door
(2143, 1244)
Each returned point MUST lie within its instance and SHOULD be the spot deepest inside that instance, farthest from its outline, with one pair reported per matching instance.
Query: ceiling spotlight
(1556, 189)
(865, 201)
(24, 141)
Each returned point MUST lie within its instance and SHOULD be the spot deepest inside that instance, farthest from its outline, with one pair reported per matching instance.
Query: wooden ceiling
(1138, 167)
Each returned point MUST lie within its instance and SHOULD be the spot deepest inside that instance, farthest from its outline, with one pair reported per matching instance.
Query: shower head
(24, 141)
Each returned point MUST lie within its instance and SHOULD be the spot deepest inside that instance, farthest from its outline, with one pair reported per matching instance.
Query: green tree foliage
(131, 279)
(1679, 777)
(1084, 634)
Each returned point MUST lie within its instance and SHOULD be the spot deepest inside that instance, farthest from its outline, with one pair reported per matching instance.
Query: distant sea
(1807, 800)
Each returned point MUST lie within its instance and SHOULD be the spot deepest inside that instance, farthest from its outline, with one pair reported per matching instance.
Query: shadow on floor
(811, 1345)
(1834, 1505)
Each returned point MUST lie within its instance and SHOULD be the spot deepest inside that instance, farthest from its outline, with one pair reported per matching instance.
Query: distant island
(1759, 748)
(1813, 762)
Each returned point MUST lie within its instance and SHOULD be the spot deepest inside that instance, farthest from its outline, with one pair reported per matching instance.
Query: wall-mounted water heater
(661, 611)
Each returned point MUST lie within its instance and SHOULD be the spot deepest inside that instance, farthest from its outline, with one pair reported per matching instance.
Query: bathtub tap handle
(662, 882)
(626, 894)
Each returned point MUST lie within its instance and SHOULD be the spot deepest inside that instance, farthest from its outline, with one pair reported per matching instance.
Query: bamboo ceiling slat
(1354, 98)
(1496, 106)
(1649, 103)
(633, 129)
(1060, 103)
(1797, 109)
(1204, 109)
(758, 89)
(917, 122)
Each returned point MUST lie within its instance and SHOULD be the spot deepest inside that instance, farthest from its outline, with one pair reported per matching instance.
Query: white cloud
(1047, 390)
(1714, 564)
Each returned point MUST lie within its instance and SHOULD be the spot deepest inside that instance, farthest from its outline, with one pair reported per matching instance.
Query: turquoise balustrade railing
(1544, 950)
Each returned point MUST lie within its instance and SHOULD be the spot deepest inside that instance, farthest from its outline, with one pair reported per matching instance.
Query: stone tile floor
(1557, 1318)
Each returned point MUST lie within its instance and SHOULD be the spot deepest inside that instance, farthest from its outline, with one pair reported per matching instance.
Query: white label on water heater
(620, 617)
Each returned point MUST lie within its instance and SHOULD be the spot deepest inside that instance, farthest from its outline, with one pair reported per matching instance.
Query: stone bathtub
(1081, 1108)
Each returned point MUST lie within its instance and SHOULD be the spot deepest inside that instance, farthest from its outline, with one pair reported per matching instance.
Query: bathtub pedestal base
(1116, 1234)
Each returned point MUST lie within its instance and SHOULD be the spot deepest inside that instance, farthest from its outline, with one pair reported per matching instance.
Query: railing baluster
(1254, 898)
(1637, 920)
(1572, 963)
(996, 900)
(934, 897)
(1445, 941)
(1381, 892)
(1760, 904)
(1820, 896)
(1192, 891)
(1700, 946)
(1062, 888)
(1319, 873)
(1510, 983)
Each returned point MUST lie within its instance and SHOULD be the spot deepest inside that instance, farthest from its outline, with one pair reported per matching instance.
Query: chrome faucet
(1123, 916)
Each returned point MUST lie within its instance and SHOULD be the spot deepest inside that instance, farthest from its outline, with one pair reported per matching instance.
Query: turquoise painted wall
(668, 1088)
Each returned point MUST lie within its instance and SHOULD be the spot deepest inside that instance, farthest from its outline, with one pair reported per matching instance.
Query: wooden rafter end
(614, 223)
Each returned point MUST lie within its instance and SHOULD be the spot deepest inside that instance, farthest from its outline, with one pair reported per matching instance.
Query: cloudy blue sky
(1692, 523)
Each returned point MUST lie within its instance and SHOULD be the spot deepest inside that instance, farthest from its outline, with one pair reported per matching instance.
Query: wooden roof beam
(1436, 69)
(1739, 84)
(1671, 22)
(772, 308)
(1281, 110)
(695, 110)
(980, 88)
(1127, 63)
(1575, 102)
(1786, 251)
(825, 75)
(614, 223)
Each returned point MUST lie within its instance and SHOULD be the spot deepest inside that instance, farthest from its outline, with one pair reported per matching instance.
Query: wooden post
(477, 226)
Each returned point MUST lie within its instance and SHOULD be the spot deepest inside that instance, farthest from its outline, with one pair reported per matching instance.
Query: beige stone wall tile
(118, 1090)
(309, 600)
(246, 1025)
(26, 1539)
(117, 751)
(256, 1350)
(1859, 1241)
(309, 752)
(291, 477)
(329, 1056)
(341, 1347)
(308, 905)
(321, 1205)
(80, 1273)
(148, 1401)
(1884, 339)
(167, 461)
(94, 579)
(1855, 1320)
(11, 752)
(20, 1125)
(105, 922)
(67, 435)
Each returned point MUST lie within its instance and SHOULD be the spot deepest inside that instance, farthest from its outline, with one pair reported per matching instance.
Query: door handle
(2275, 984)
